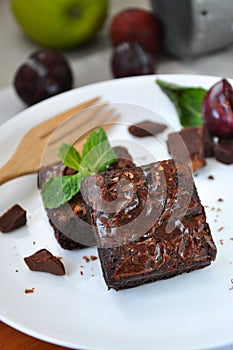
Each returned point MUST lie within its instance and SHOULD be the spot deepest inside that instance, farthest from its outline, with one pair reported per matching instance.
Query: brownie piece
(149, 223)
(70, 221)
(13, 218)
(188, 145)
(223, 151)
(209, 143)
(146, 128)
(44, 261)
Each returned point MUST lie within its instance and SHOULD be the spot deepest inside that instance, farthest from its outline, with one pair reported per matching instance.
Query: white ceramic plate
(192, 311)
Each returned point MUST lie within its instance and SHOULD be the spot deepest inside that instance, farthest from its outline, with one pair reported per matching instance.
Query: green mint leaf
(97, 152)
(69, 156)
(96, 156)
(60, 189)
(187, 101)
(94, 138)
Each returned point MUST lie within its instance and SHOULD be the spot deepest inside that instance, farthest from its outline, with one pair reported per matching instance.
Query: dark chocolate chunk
(187, 146)
(14, 218)
(146, 128)
(44, 261)
(150, 224)
(224, 151)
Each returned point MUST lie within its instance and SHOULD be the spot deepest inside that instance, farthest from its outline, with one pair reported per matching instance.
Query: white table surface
(92, 63)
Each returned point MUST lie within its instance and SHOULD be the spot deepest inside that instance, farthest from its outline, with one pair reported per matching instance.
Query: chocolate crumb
(13, 218)
(92, 275)
(16, 270)
(93, 257)
(81, 266)
(29, 291)
(220, 200)
(211, 177)
(44, 261)
(81, 273)
(220, 228)
(86, 258)
(34, 243)
(221, 241)
(231, 238)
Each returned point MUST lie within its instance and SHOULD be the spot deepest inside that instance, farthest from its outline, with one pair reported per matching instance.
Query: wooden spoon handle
(5, 173)
(12, 169)
(8, 172)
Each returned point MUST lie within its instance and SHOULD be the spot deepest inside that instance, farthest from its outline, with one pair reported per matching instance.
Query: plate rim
(42, 105)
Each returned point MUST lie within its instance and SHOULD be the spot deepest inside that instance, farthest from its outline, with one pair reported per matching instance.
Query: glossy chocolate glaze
(150, 223)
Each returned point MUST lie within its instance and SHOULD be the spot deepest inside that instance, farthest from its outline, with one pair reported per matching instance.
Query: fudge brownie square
(149, 223)
(187, 146)
(70, 221)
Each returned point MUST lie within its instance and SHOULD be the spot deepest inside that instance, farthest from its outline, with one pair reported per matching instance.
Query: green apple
(60, 24)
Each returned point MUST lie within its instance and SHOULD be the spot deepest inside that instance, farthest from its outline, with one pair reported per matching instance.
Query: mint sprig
(97, 154)
(187, 101)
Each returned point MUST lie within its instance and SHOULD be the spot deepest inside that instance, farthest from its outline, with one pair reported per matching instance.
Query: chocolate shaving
(14, 218)
(146, 128)
(44, 261)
